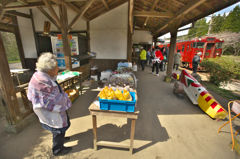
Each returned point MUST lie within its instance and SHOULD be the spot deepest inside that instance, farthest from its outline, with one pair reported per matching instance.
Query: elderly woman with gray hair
(50, 103)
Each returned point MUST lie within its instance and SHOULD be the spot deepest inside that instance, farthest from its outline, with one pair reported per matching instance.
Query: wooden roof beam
(146, 2)
(71, 7)
(3, 4)
(137, 5)
(2, 14)
(28, 6)
(48, 16)
(152, 9)
(8, 27)
(153, 14)
(186, 9)
(184, 5)
(105, 4)
(80, 14)
(15, 13)
(54, 15)
(208, 5)
(178, 2)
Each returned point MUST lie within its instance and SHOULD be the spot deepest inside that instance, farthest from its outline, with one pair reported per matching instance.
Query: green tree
(10, 46)
(200, 29)
(232, 22)
(224, 15)
(218, 22)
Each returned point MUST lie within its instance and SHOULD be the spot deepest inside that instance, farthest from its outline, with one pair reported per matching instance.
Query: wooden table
(17, 71)
(96, 111)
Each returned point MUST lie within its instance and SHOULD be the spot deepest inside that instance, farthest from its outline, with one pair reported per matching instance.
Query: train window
(187, 47)
(210, 46)
(210, 39)
(199, 45)
(183, 47)
(195, 45)
(219, 45)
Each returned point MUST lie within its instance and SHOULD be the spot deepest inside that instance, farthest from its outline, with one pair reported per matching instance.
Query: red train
(210, 47)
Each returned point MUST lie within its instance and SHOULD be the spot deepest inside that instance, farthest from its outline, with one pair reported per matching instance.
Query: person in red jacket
(157, 58)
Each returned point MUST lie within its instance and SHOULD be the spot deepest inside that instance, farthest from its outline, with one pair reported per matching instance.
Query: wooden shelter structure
(155, 17)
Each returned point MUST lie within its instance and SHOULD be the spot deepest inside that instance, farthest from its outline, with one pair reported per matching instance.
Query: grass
(222, 92)
(14, 61)
(236, 58)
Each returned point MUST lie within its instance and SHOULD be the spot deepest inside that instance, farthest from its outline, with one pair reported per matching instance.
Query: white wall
(39, 19)
(142, 36)
(108, 34)
(27, 36)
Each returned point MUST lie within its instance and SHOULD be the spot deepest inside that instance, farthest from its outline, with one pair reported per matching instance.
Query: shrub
(221, 69)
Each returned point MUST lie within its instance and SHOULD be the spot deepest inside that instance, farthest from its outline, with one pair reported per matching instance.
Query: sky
(226, 10)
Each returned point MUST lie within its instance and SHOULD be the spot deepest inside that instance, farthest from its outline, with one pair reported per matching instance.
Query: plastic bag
(126, 95)
(119, 94)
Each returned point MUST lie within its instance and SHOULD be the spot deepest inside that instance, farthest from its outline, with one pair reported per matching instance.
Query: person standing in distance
(143, 57)
(196, 61)
(165, 55)
(157, 58)
(177, 58)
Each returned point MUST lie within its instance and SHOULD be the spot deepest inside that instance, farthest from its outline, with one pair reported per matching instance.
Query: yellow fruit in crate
(119, 94)
(127, 95)
(102, 95)
(111, 95)
(106, 90)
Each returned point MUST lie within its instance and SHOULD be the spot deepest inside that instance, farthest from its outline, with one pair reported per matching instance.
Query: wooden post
(129, 38)
(88, 36)
(173, 27)
(94, 118)
(19, 41)
(129, 45)
(67, 51)
(132, 135)
(171, 54)
(155, 42)
(8, 99)
(133, 51)
(65, 37)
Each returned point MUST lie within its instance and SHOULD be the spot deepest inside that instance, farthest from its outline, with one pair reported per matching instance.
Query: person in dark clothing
(157, 58)
(196, 61)
(177, 59)
(165, 55)
(143, 58)
(161, 63)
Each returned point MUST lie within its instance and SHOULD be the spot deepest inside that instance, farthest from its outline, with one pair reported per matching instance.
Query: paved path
(167, 128)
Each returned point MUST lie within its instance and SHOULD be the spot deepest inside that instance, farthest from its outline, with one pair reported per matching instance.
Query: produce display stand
(96, 111)
(70, 81)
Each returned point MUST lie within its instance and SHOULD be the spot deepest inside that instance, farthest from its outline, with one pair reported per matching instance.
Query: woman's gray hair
(46, 62)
